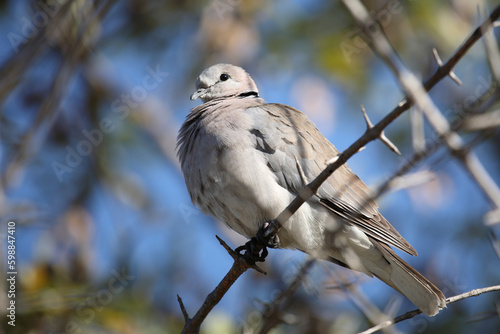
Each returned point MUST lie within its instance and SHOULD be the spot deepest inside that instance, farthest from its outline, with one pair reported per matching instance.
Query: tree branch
(374, 132)
(430, 147)
(417, 93)
(240, 265)
(449, 300)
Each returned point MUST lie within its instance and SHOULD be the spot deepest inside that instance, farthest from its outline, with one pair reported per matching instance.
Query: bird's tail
(405, 279)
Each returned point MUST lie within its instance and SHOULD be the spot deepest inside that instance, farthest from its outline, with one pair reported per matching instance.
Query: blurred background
(92, 95)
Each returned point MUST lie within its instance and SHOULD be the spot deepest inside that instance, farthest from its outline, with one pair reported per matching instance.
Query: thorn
(451, 74)
(382, 137)
(388, 143)
(256, 267)
(305, 182)
(231, 252)
(437, 58)
(455, 78)
(362, 148)
(369, 123)
(301, 172)
(332, 160)
(183, 309)
(439, 62)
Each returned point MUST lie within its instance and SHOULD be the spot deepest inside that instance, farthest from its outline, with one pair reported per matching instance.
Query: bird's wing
(297, 152)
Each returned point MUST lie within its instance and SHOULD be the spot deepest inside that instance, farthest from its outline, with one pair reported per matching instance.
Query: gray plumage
(244, 160)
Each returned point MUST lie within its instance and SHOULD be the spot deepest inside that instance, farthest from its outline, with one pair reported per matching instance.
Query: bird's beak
(199, 93)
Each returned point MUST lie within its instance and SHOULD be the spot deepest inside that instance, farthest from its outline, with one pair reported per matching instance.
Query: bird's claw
(271, 242)
(253, 251)
(256, 248)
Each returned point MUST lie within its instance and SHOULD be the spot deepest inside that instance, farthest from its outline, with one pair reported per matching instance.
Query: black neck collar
(249, 93)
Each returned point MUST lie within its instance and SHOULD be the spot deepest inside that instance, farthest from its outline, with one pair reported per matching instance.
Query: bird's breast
(228, 176)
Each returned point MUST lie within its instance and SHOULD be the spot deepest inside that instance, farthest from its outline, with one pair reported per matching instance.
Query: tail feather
(359, 252)
(405, 279)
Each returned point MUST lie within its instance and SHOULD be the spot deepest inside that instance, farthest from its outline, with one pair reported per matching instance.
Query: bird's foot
(265, 239)
(256, 248)
(255, 251)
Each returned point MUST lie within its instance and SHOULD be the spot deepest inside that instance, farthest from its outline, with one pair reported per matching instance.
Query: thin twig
(432, 145)
(240, 265)
(183, 309)
(492, 51)
(449, 300)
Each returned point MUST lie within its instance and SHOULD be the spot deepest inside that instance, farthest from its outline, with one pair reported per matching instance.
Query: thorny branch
(416, 95)
(374, 132)
(240, 265)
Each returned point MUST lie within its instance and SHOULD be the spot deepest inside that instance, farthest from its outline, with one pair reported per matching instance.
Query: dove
(244, 160)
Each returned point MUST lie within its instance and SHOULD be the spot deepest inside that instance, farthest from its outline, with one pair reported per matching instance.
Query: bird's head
(224, 80)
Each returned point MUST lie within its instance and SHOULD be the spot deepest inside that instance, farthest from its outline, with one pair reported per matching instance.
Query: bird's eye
(224, 77)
